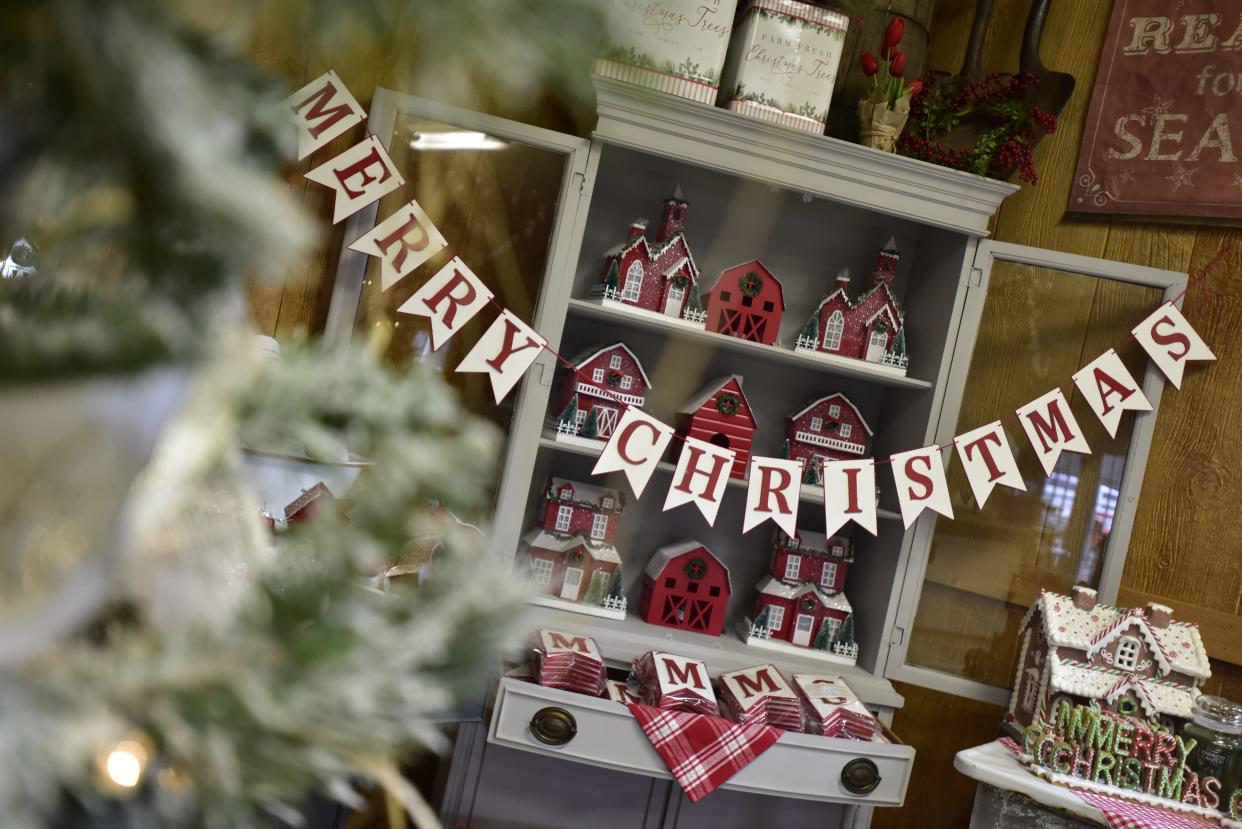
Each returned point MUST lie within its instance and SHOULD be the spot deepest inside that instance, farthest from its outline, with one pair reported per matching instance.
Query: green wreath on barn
(695, 569)
(728, 404)
(614, 378)
(751, 284)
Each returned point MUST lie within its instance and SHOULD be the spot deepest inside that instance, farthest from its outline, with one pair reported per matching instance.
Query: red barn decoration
(654, 278)
(870, 327)
(1135, 662)
(570, 557)
(801, 603)
(605, 379)
(686, 587)
(830, 428)
(747, 302)
(720, 414)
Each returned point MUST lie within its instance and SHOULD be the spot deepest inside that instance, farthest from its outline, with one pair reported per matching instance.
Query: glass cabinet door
(505, 197)
(1035, 318)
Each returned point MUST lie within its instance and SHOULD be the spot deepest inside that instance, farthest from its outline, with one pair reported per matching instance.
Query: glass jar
(1216, 726)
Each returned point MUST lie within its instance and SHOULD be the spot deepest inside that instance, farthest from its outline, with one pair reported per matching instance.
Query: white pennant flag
(701, 476)
(988, 461)
(1051, 428)
(450, 299)
(1170, 341)
(849, 495)
(323, 110)
(1110, 390)
(402, 242)
(505, 351)
(359, 176)
(635, 448)
(919, 474)
(772, 491)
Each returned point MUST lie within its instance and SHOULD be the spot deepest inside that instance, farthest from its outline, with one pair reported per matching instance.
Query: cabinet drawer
(800, 765)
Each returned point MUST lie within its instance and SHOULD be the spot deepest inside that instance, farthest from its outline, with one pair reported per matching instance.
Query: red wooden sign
(1159, 137)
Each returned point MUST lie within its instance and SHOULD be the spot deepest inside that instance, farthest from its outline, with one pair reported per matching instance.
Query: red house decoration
(308, 503)
(570, 558)
(1135, 662)
(720, 414)
(654, 278)
(605, 379)
(800, 600)
(869, 327)
(686, 587)
(747, 302)
(828, 429)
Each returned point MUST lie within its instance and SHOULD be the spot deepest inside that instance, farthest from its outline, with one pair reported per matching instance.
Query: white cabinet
(806, 206)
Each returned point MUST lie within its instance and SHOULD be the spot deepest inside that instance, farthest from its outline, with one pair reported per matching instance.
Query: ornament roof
(589, 492)
(654, 252)
(771, 586)
(713, 386)
(1066, 625)
(676, 266)
(671, 551)
(563, 543)
(1133, 620)
(594, 351)
(827, 397)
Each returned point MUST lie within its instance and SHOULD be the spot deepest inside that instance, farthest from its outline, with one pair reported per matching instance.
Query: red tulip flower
(895, 31)
(914, 87)
(869, 64)
(886, 51)
(897, 66)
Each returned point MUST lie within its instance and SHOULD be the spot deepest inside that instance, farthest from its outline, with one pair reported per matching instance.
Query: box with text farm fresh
(783, 63)
(675, 46)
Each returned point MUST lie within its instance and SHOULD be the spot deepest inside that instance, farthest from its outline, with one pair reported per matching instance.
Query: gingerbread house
(570, 554)
(720, 414)
(868, 327)
(1137, 662)
(604, 381)
(747, 302)
(657, 278)
(685, 586)
(830, 428)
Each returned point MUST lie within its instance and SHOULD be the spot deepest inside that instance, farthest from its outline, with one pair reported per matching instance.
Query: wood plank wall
(1184, 551)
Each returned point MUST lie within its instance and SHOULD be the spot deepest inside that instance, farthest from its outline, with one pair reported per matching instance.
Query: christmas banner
(637, 442)
(849, 495)
(402, 242)
(504, 353)
(323, 110)
(360, 176)
(772, 489)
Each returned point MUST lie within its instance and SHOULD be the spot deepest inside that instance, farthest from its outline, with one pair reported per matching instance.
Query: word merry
(1089, 743)
(1198, 33)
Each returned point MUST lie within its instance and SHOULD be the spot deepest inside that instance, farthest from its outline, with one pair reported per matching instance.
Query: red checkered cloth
(1126, 814)
(702, 751)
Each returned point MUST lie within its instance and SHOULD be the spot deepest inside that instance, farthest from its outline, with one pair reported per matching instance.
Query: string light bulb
(121, 767)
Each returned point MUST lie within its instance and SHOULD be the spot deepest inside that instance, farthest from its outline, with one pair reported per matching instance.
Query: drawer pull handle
(553, 726)
(860, 776)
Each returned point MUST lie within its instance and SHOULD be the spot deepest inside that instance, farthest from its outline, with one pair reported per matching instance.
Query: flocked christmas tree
(761, 621)
(597, 589)
(615, 589)
(845, 636)
(173, 664)
(567, 422)
(613, 280)
(824, 638)
(810, 331)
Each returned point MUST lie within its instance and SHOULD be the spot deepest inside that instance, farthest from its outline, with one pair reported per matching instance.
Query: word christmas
(1098, 746)
(450, 298)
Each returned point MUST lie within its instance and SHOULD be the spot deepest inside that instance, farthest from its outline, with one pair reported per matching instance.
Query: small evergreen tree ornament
(595, 593)
(613, 280)
(810, 331)
(568, 419)
(824, 638)
(763, 619)
(845, 636)
(614, 589)
(590, 427)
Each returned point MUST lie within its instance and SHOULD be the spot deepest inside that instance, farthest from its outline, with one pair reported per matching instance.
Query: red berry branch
(986, 126)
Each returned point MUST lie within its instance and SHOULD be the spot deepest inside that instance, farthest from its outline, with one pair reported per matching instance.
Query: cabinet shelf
(622, 641)
(857, 369)
(655, 123)
(808, 495)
